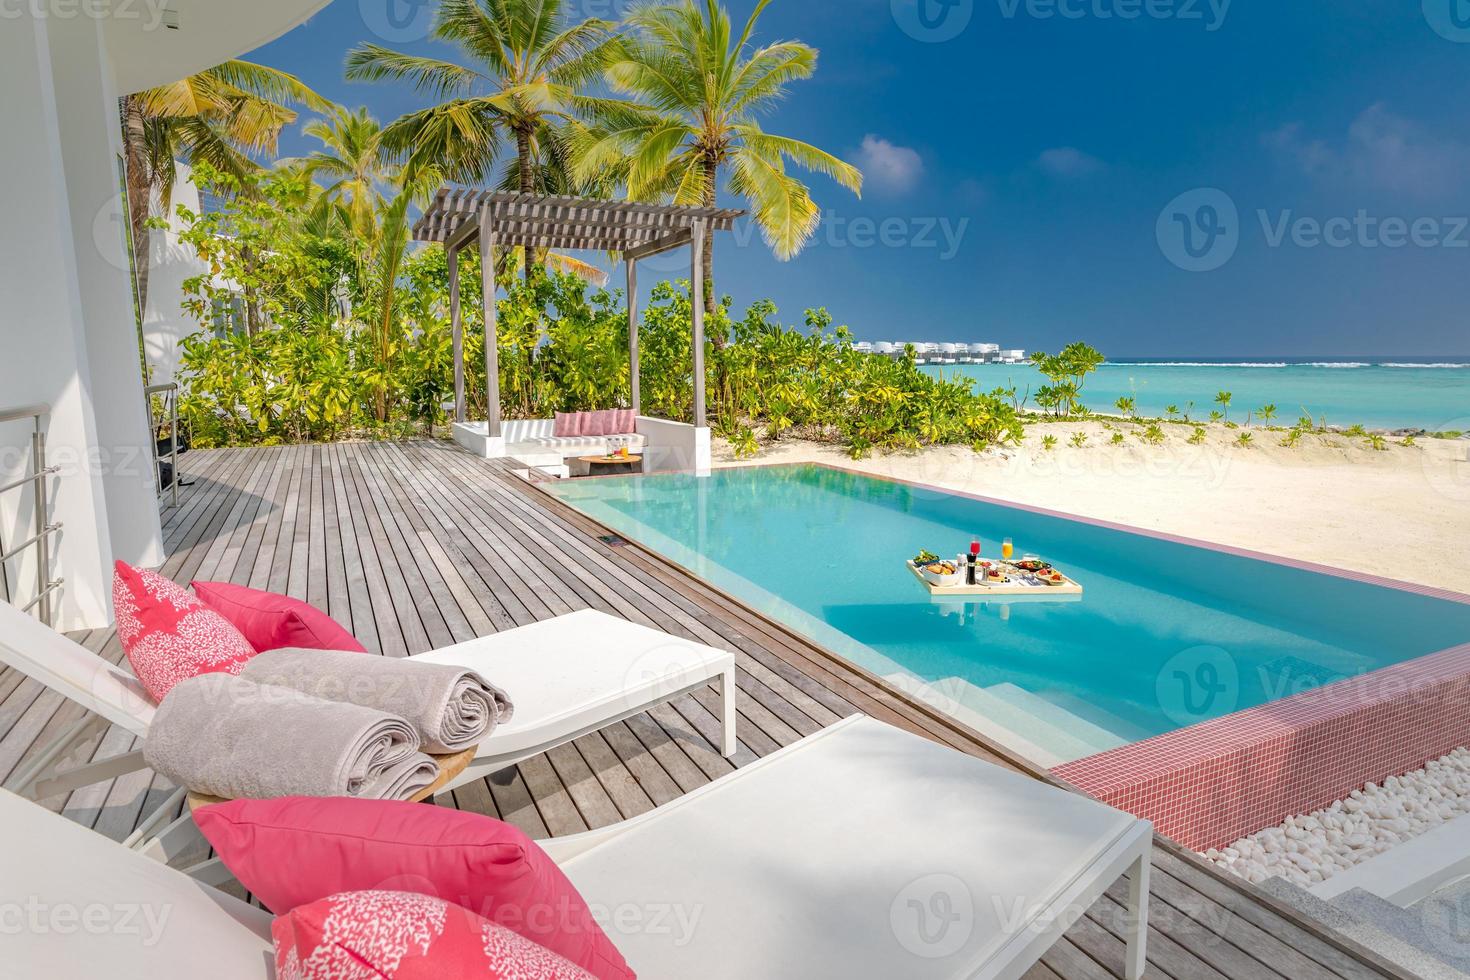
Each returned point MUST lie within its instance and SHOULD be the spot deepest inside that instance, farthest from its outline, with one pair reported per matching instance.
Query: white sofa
(665, 445)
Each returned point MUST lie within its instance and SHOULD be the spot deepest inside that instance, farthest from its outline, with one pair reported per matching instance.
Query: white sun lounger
(860, 851)
(566, 677)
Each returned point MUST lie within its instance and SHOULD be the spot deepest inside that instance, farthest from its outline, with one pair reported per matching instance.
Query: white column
(492, 339)
(636, 401)
(91, 153)
(42, 330)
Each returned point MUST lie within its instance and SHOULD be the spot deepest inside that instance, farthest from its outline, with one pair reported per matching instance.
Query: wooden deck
(416, 546)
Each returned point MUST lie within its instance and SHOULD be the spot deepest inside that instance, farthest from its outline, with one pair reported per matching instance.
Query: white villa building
(944, 353)
(67, 322)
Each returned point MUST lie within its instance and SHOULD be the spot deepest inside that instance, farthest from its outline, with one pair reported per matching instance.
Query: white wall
(91, 148)
(66, 306)
(674, 446)
(165, 324)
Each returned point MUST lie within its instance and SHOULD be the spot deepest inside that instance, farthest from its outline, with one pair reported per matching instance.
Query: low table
(607, 465)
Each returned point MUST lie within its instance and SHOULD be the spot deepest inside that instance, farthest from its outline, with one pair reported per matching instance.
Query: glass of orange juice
(1007, 549)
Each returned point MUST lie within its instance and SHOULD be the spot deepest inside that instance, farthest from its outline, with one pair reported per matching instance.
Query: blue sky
(1055, 169)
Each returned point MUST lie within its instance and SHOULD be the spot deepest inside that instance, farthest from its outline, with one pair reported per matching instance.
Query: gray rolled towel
(451, 708)
(231, 737)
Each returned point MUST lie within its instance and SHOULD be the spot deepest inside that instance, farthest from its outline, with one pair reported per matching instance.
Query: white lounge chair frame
(567, 676)
(797, 869)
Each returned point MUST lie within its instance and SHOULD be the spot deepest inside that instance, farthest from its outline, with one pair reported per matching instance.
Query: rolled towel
(452, 708)
(231, 737)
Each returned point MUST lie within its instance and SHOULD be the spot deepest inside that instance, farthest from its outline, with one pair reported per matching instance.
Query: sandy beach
(1401, 512)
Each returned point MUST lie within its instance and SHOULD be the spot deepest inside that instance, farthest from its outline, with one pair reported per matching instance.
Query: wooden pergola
(459, 219)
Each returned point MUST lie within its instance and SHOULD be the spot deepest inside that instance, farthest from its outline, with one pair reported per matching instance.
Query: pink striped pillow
(569, 424)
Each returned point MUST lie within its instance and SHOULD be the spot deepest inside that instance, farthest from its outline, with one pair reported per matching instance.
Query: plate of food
(941, 573)
(1053, 578)
(1033, 565)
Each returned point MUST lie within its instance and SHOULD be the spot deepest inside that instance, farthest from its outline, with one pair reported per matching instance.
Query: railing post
(43, 543)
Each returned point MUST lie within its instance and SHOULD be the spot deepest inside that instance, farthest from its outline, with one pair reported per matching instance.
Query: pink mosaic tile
(1212, 783)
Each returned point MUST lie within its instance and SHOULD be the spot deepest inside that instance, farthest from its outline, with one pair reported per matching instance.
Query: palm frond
(375, 63)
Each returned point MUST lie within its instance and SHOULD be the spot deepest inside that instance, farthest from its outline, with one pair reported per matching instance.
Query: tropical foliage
(220, 117)
(334, 363)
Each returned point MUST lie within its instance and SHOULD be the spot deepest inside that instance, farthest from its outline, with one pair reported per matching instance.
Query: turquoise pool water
(1165, 635)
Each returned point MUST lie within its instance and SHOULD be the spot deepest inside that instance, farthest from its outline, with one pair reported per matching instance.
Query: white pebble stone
(1311, 847)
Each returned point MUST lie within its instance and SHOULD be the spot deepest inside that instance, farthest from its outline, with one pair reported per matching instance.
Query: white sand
(1403, 512)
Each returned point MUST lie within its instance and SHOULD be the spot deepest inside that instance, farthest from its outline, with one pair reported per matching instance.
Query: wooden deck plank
(417, 545)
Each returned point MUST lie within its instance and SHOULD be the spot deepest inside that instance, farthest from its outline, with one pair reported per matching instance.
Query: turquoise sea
(1380, 393)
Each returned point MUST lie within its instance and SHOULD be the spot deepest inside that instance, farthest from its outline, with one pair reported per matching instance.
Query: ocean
(1378, 393)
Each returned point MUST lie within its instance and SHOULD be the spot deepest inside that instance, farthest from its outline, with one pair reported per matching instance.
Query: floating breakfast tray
(1017, 586)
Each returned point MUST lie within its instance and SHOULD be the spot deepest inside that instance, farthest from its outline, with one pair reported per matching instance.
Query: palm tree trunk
(528, 185)
(139, 195)
(710, 185)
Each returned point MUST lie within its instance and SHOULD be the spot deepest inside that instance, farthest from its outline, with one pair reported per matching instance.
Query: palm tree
(695, 91)
(1223, 400)
(351, 162)
(531, 69)
(221, 116)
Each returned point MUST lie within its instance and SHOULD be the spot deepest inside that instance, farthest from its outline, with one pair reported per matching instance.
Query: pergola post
(492, 335)
(637, 402)
(456, 323)
(696, 321)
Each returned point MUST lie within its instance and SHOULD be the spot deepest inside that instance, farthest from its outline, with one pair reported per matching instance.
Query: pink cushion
(295, 850)
(568, 424)
(168, 634)
(274, 622)
(370, 934)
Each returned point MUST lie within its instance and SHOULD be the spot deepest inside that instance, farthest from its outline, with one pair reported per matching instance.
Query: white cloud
(1068, 161)
(889, 167)
(1381, 149)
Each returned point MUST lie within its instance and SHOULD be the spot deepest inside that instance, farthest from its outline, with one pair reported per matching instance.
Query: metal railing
(170, 395)
(43, 530)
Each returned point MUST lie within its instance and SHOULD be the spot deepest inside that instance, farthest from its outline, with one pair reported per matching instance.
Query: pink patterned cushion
(275, 622)
(625, 420)
(168, 634)
(403, 936)
(294, 851)
(569, 424)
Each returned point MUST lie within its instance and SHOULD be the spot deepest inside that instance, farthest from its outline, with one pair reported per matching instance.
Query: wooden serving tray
(1013, 588)
(450, 766)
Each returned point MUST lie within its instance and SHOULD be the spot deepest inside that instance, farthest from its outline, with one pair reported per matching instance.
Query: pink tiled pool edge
(1212, 783)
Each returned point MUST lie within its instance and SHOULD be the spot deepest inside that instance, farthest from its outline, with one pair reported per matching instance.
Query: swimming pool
(1168, 634)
